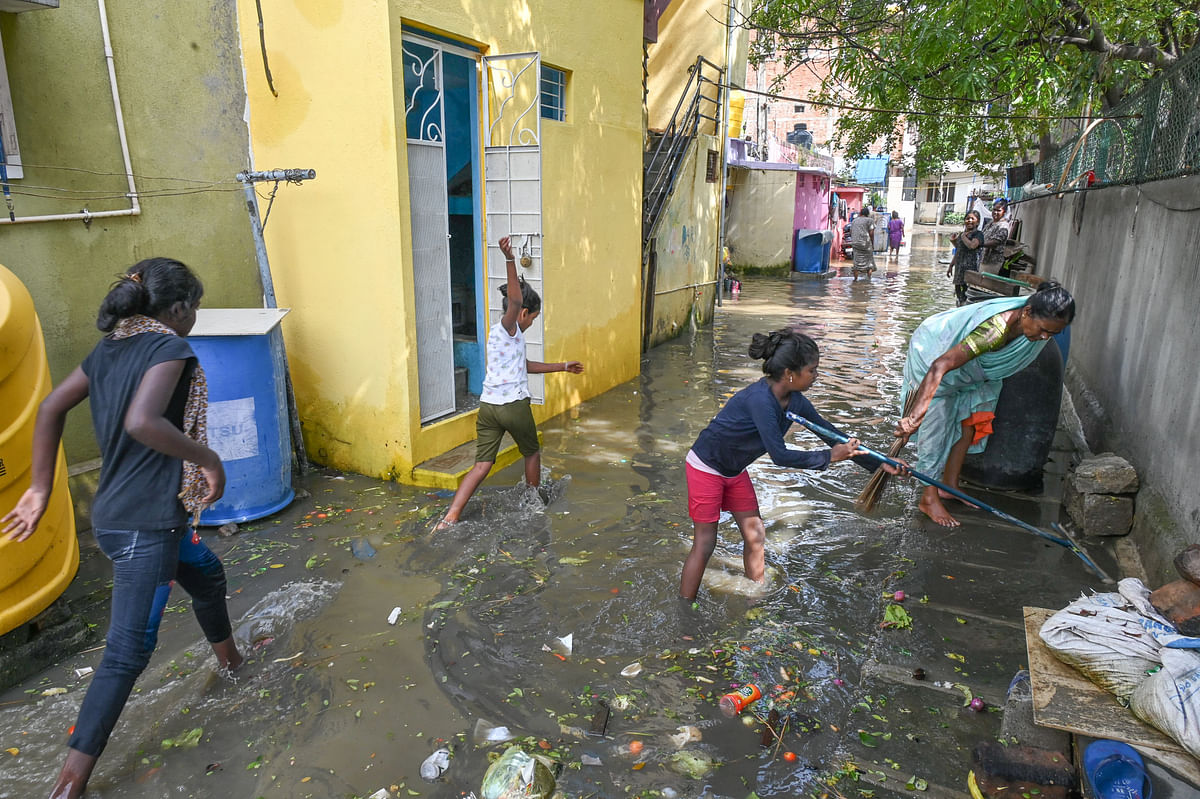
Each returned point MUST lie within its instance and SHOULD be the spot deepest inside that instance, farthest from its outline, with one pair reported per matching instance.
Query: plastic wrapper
(517, 775)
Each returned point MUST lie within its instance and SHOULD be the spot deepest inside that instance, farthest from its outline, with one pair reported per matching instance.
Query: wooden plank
(1065, 699)
(996, 285)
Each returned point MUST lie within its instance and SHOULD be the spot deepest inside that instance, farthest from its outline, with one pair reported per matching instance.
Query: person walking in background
(968, 246)
(861, 245)
(751, 424)
(149, 403)
(504, 403)
(895, 233)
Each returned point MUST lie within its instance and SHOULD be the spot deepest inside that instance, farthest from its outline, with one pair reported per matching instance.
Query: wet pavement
(337, 702)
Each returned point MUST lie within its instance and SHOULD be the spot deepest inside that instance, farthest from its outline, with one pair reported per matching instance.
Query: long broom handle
(924, 478)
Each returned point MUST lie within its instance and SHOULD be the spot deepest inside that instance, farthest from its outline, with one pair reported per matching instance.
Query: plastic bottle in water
(735, 702)
(435, 765)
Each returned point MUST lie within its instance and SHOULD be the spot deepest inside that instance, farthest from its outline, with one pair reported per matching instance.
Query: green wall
(179, 73)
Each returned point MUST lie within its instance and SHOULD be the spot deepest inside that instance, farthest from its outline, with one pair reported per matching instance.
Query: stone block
(1105, 474)
(1100, 514)
(1180, 603)
(1187, 563)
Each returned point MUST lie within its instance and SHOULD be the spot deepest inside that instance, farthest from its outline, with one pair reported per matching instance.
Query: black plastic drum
(1026, 420)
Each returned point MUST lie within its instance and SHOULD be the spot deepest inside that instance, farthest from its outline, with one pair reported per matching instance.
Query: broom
(831, 435)
(869, 496)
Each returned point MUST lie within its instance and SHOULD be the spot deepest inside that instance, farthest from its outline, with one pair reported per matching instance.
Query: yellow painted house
(435, 127)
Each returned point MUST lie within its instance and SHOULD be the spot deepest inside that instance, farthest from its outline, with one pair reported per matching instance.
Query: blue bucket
(241, 350)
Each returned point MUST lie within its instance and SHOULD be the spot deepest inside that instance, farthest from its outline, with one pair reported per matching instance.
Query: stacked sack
(1126, 646)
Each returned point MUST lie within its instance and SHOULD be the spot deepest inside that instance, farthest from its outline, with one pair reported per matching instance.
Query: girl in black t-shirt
(966, 255)
(149, 407)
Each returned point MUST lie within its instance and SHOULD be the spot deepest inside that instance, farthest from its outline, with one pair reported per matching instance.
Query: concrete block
(1017, 725)
(1105, 474)
(1180, 603)
(1100, 514)
(50, 637)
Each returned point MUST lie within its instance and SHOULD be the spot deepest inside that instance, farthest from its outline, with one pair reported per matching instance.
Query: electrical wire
(135, 175)
(912, 113)
(123, 195)
(85, 193)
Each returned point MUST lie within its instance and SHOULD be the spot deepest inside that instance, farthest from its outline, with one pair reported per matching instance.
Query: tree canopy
(987, 77)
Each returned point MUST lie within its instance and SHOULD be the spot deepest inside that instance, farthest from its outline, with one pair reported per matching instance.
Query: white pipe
(135, 208)
(684, 288)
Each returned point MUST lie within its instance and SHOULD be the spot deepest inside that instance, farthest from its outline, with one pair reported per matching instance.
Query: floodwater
(524, 618)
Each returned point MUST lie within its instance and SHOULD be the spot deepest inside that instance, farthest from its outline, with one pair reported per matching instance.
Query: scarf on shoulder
(195, 414)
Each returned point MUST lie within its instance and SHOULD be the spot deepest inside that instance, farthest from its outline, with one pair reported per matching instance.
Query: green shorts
(515, 418)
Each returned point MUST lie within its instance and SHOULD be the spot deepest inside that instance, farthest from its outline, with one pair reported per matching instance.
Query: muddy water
(337, 702)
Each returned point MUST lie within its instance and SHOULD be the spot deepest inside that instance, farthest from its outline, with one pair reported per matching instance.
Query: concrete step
(448, 469)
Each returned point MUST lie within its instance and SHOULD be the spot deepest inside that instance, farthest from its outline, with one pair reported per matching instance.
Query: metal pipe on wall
(135, 208)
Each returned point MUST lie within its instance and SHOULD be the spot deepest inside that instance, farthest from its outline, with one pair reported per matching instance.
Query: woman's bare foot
(444, 524)
(947, 495)
(931, 505)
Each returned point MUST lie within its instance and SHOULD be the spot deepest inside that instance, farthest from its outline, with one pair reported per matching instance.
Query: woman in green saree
(957, 361)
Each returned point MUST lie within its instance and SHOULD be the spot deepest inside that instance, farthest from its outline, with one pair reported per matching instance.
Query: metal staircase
(669, 147)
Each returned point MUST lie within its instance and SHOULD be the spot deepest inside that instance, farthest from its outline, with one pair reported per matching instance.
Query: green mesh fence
(1155, 134)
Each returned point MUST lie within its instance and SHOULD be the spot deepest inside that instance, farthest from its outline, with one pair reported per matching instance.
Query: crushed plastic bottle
(435, 765)
(735, 702)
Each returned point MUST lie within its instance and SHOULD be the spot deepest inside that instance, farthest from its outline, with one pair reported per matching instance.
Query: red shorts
(709, 494)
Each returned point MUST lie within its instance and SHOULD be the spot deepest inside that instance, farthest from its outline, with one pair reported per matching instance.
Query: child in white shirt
(504, 403)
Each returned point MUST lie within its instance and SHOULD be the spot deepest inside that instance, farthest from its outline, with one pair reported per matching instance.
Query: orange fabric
(982, 422)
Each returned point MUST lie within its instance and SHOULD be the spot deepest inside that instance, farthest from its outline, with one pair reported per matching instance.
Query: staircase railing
(661, 170)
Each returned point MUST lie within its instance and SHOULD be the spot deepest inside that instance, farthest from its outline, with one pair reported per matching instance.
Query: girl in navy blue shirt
(753, 423)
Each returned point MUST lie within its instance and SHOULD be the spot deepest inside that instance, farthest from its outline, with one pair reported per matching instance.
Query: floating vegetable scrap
(896, 617)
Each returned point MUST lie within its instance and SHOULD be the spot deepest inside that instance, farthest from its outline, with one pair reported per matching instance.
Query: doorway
(441, 90)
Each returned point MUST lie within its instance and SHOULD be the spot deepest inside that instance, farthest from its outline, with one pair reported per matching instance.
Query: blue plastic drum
(241, 350)
(810, 253)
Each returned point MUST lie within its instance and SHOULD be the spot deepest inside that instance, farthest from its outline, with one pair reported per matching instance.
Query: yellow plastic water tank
(737, 108)
(36, 571)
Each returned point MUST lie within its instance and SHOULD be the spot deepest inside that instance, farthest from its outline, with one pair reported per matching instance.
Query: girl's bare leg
(704, 541)
(465, 489)
(754, 536)
(228, 656)
(74, 775)
(533, 469)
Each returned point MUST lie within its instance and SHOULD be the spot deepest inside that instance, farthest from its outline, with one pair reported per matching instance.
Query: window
(799, 109)
(945, 195)
(554, 94)
(712, 167)
(8, 129)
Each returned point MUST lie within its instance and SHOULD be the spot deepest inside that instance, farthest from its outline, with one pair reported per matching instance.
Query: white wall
(762, 205)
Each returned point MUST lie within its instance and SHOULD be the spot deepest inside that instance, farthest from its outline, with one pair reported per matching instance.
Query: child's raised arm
(512, 290)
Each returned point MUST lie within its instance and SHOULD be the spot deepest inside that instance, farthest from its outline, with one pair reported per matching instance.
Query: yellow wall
(687, 29)
(340, 248)
(686, 247)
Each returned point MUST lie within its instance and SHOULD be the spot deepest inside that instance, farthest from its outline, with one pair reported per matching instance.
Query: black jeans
(145, 565)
